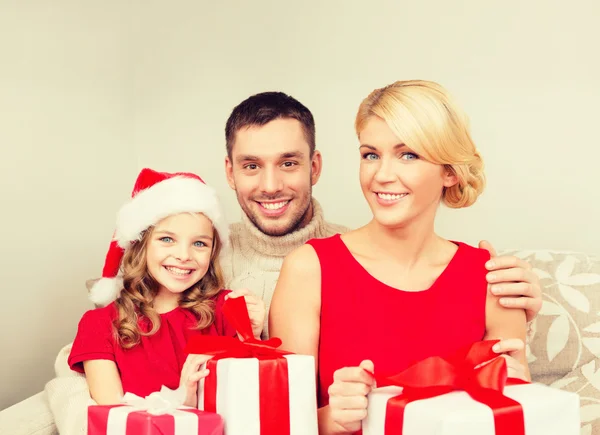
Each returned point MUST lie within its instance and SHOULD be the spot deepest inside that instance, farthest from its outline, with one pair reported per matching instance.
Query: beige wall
(67, 158)
(91, 94)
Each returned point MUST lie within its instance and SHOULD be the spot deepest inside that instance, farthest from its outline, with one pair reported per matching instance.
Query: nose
(385, 172)
(270, 181)
(183, 253)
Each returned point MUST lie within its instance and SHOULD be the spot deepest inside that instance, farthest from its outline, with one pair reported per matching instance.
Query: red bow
(273, 371)
(475, 369)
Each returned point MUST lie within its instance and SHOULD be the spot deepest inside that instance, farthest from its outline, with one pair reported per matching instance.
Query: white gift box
(547, 411)
(238, 400)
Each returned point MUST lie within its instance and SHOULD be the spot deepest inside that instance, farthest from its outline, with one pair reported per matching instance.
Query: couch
(563, 349)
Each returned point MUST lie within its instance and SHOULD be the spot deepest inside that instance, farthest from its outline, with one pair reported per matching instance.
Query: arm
(514, 280)
(103, 381)
(297, 301)
(510, 326)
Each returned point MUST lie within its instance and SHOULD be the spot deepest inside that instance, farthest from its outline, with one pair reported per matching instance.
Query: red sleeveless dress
(363, 318)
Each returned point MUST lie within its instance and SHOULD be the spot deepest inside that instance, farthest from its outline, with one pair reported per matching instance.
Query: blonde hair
(140, 289)
(427, 120)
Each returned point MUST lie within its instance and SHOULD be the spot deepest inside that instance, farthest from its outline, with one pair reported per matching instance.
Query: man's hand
(514, 279)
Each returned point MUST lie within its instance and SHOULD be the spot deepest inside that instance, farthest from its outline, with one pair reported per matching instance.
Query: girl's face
(179, 251)
(398, 184)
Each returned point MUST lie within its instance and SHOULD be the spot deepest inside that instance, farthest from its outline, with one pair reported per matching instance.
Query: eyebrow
(169, 233)
(371, 147)
(288, 155)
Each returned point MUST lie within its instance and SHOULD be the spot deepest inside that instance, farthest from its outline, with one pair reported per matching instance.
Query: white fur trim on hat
(105, 290)
(179, 194)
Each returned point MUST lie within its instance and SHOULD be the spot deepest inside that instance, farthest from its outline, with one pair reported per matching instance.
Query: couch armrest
(31, 416)
(68, 396)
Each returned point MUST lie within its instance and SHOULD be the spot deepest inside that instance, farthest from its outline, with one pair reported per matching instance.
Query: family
(369, 300)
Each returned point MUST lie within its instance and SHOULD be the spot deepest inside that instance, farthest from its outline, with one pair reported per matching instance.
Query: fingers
(238, 293)
(507, 262)
(514, 368)
(194, 378)
(484, 244)
(348, 402)
(353, 374)
(509, 345)
(515, 274)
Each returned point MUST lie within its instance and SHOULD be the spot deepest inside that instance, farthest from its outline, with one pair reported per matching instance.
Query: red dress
(363, 318)
(157, 360)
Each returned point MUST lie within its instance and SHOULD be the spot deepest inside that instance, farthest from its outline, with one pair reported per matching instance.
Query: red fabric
(394, 328)
(157, 360)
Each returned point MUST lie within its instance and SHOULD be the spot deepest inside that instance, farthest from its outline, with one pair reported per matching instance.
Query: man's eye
(289, 164)
(251, 166)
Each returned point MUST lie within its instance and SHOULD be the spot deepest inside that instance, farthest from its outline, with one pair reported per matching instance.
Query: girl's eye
(199, 244)
(166, 239)
(370, 156)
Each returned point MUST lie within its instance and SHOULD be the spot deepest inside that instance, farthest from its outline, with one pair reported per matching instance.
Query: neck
(165, 301)
(407, 245)
(255, 241)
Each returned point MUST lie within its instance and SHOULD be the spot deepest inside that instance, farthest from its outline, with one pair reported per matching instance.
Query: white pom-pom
(105, 291)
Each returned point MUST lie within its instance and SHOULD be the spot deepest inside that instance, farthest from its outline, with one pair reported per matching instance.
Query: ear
(316, 164)
(229, 172)
(450, 177)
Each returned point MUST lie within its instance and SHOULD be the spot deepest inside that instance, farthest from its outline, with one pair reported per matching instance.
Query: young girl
(167, 242)
(394, 292)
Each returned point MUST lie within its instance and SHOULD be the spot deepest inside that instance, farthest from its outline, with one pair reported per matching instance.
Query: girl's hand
(256, 309)
(510, 350)
(348, 397)
(191, 374)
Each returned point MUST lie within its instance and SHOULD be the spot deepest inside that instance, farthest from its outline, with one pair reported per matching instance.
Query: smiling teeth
(178, 271)
(391, 197)
(274, 205)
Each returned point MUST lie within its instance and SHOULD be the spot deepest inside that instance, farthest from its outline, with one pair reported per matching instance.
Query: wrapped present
(156, 414)
(468, 394)
(257, 388)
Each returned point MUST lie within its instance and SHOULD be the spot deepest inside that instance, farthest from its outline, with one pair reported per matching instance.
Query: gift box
(151, 415)
(468, 395)
(256, 388)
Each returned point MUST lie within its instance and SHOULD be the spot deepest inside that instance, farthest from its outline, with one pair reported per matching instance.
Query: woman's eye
(409, 156)
(370, 156)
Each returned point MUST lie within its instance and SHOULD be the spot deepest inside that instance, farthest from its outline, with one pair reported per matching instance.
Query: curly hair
(426, 118)
(140, 288)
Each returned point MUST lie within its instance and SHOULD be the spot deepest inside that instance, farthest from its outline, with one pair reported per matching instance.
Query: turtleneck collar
(255, 241)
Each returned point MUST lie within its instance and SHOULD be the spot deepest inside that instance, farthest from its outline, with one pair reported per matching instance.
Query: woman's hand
(512, 350)
(348, 397)
(256, 309)
(191, 374)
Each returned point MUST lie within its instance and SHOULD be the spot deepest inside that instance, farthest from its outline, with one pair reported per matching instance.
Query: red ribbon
(272, 367)
(475, 369)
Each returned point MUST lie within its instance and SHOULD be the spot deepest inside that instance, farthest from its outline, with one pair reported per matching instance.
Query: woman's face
(399, 185)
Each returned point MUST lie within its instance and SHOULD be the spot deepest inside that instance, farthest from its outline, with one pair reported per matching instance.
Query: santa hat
(155, 196)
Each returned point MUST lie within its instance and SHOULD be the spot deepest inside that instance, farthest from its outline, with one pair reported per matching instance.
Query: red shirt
(157, 360)
(363, 318)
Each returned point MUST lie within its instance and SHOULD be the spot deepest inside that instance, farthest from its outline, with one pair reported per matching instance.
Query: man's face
(272, 173)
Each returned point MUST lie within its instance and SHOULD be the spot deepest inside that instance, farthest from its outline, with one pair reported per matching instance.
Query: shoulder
(100, 315)
(472, 253)
(303, 259)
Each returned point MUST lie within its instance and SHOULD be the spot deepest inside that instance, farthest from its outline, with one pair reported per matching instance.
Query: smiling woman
(394, 279)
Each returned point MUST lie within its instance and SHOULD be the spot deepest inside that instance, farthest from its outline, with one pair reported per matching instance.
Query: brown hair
(265, 107)
(140, 289)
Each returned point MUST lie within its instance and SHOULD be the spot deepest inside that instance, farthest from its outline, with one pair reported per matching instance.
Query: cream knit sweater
(252, 261)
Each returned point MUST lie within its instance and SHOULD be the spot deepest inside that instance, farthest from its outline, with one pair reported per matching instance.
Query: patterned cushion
(564, 346)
